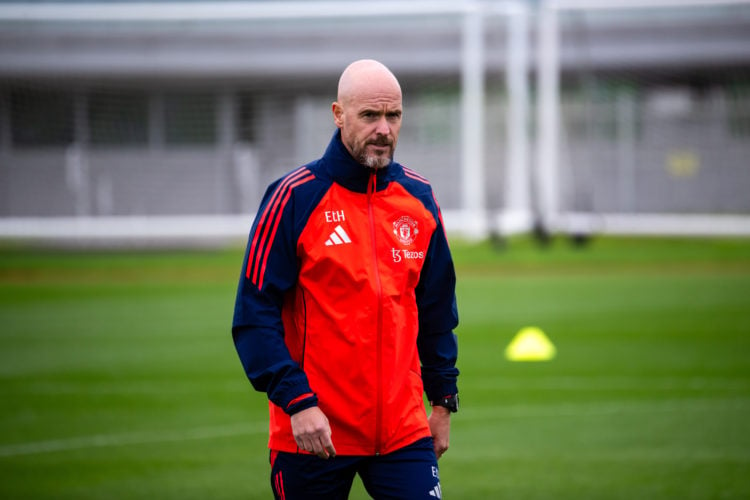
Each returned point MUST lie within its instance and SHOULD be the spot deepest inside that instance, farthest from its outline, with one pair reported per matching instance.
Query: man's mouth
(382, 143)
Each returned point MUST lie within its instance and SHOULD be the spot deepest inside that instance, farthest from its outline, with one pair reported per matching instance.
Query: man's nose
(383, 127)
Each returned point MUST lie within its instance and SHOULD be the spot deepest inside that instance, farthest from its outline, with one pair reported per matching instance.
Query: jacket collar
(339, 164)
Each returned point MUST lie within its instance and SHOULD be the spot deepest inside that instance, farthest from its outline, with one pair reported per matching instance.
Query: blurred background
(136, 141)
(125, 119)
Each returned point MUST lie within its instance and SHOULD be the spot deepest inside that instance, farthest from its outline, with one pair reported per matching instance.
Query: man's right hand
(313, 433)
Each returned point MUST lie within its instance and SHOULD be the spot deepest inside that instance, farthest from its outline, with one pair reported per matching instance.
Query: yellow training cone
(530, 344)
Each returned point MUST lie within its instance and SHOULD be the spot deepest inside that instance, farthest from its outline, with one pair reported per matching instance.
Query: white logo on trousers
(436, 492)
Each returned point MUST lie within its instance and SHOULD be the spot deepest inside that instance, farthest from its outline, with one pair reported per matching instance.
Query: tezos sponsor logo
(399, 255)
(405, 229)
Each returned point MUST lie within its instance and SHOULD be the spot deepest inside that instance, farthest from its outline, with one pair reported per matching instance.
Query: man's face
(370, 122)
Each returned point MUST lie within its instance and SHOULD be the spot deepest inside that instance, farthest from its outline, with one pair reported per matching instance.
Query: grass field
(119, 379)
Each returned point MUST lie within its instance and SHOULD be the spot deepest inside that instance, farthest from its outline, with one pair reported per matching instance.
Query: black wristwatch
(450, 402)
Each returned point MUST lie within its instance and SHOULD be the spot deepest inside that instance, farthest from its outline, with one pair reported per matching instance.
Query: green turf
(118, 377)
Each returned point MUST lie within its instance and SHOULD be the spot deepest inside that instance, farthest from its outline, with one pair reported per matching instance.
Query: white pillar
(77, 166)
(548, 116)
(472, 123)
(626, 144)
(517, 207)
(226, 122)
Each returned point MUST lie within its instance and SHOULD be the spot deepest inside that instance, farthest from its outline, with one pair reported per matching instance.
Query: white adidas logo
(338, 237)
(436, 492)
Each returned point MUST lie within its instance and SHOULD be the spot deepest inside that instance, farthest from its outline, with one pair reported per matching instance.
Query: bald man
(368, 85)
(346, 308)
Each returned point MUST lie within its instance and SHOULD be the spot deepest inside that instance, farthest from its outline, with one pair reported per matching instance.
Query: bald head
(364, 77)
(368, 112)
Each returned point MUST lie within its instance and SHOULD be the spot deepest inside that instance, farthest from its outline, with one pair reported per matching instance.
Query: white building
(192, 109)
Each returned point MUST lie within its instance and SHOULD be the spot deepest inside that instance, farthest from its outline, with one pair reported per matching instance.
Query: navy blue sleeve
(438, 317)
(269, 271)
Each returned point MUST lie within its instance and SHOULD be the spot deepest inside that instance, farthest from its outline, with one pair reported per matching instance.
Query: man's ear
(338, 114)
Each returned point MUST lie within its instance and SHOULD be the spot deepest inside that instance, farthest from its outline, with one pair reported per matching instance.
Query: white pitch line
(105, 440)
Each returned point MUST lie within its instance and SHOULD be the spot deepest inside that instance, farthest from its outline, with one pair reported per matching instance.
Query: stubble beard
(376, 162)
(373, 161)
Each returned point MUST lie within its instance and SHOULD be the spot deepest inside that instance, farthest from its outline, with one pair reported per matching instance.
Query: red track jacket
(347, 301)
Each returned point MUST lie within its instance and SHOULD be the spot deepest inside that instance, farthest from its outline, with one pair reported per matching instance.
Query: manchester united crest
(405, 229)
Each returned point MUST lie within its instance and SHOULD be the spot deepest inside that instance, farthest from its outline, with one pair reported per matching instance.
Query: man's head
(368, 112)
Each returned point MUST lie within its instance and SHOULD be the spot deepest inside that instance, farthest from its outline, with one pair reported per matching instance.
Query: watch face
(450, 402)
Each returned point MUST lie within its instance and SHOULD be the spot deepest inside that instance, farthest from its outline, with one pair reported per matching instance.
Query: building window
(118, 118)
(246, 118)
(189, 118)
(738, 96)
(41, 118)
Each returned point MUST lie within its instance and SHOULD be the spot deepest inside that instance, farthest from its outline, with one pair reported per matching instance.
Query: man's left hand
(440, 426)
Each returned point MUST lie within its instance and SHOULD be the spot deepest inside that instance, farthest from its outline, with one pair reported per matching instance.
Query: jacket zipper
(371, 190)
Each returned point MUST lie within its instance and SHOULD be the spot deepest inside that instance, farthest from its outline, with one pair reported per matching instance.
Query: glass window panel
(190, 118)
(118, 118)
(246, 118)
(41, 118)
